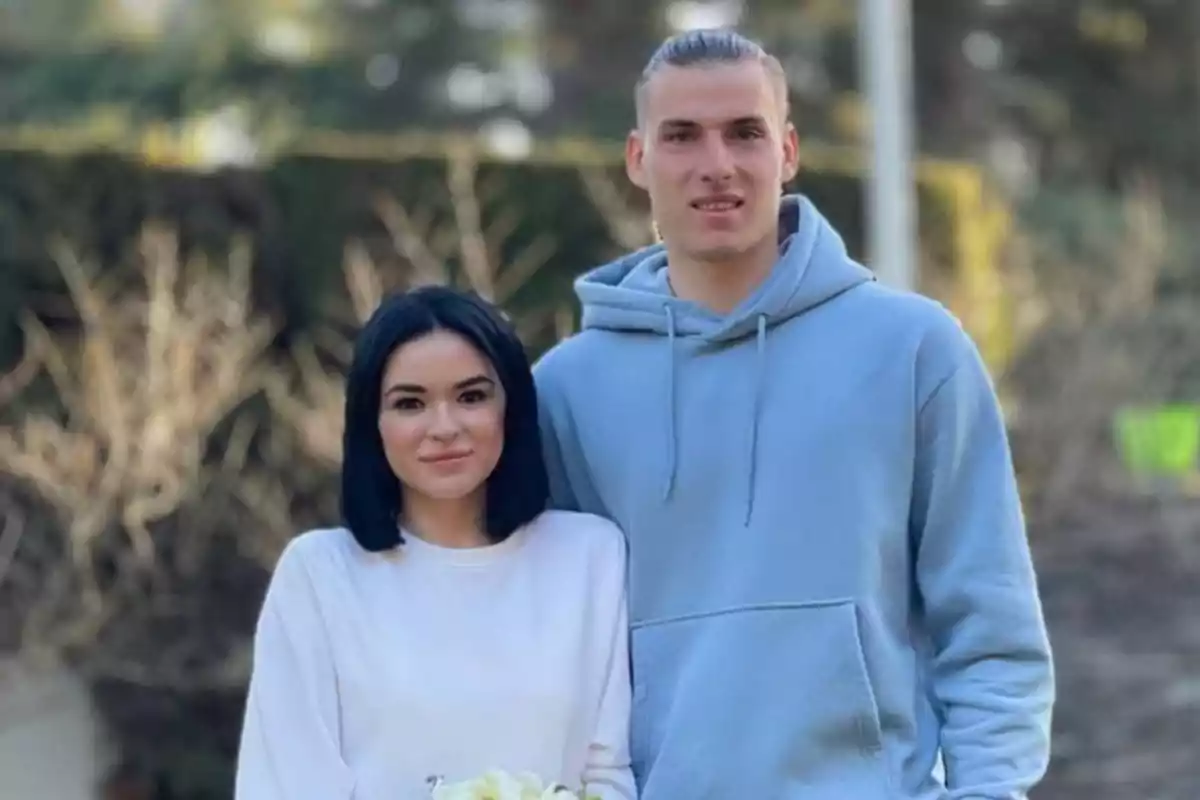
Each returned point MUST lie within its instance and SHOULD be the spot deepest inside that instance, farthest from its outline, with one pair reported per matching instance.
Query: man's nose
(718, 160)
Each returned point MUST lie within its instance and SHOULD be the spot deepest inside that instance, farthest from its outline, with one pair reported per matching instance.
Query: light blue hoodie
(829, 575)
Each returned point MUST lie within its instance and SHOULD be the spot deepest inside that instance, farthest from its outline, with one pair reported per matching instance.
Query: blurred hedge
(316, 193)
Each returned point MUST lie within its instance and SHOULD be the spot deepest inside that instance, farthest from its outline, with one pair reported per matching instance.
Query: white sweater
(373, 672)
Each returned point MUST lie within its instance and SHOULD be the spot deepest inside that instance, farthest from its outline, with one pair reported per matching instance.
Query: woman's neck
(446, 523)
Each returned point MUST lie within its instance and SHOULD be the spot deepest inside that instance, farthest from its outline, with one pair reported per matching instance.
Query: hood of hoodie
(633, 294)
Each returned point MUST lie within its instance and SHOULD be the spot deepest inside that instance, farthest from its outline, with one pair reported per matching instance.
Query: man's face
(713, 151)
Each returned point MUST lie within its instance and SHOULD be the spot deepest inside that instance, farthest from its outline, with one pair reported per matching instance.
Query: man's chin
(719, 253)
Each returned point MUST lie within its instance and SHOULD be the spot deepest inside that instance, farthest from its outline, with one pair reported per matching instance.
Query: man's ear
(635, 153)
(791, 153)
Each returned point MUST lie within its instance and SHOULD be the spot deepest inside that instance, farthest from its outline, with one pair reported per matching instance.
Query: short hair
(707, 46)
(371, 494)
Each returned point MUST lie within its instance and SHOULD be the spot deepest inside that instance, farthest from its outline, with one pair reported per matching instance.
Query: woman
(453, 625)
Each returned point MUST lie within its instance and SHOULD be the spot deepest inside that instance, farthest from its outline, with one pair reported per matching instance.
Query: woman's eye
(406, 404)
(474, 396)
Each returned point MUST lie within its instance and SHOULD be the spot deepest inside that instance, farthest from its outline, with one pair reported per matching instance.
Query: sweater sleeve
(608, 774)
(290, 739)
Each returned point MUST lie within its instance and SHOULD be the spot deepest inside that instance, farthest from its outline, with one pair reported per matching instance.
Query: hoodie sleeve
(289, 743)
(570, 483)
(992, 675)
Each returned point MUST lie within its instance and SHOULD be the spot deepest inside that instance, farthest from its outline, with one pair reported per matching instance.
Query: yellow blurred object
(850, 116)
(981, 224)
(1125, 29)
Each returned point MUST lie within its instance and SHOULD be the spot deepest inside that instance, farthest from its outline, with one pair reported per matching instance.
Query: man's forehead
(708, 94)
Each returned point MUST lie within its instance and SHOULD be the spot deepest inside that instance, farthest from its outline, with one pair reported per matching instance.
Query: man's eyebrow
(753, 119)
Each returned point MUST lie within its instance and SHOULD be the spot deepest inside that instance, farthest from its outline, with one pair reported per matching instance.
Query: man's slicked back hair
(706, 47)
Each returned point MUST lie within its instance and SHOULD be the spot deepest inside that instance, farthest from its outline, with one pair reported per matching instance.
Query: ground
(1122, 599)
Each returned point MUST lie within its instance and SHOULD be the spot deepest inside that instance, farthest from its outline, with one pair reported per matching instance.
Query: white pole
(885, 46)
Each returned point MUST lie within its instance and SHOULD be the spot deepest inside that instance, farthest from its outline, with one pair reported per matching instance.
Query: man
(830, 584)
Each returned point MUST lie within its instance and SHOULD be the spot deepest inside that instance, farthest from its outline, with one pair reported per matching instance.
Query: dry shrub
(465, 251)
(124, 463)
(1100, 334)
(162, 487)
(143, 510)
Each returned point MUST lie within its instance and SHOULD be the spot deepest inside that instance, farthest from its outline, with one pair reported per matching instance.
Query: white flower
(500, 785)
(454, 791)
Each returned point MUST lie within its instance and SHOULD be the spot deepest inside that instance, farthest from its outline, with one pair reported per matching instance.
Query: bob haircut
(372, 501)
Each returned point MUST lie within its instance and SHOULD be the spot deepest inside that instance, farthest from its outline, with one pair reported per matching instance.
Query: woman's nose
(445, 424)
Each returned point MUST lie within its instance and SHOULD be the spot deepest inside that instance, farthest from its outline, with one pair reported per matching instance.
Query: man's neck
(721, 286)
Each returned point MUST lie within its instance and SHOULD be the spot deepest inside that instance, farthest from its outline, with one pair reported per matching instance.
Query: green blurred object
(1160, 441)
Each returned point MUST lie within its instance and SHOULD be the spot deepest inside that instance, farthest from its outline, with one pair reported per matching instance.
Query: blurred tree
(817, 44)
(393, 65)
(1097, 90)
(1106, 89)
(1093, 89)
(366, 64)
(596, 51)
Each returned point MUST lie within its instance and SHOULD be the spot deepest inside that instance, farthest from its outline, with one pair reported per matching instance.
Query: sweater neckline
(478, 556)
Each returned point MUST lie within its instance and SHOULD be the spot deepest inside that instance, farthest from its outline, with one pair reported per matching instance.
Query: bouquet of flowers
(500, 785)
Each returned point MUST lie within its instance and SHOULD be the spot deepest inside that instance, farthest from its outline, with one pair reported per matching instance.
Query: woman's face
(441, 417)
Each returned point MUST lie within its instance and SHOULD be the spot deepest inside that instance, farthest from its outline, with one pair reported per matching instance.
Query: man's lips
(717, 203)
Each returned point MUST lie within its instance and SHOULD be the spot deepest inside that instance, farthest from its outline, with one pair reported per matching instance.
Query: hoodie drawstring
(672, 434)
(760, 370)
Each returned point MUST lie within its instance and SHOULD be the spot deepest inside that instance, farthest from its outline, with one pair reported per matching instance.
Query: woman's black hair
(371, 498)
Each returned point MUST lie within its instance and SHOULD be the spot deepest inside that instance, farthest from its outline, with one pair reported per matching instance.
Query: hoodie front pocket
(766, 701)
